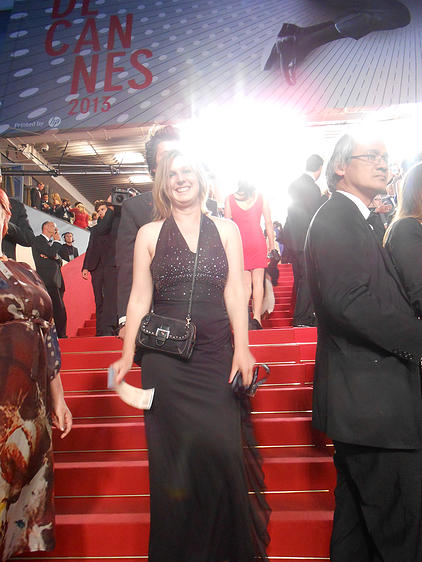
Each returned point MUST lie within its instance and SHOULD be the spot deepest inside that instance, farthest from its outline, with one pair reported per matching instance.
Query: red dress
(253, 240)
(81, 217)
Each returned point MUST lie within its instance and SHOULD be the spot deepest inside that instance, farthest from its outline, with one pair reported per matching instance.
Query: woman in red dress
(81, 216)
(245, 208)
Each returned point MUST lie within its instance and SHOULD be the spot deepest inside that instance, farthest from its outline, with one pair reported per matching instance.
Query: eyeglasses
(372, 157)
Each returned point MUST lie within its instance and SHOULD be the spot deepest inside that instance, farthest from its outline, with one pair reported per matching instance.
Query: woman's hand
(62, 418)
(243, 361)
(121, 367)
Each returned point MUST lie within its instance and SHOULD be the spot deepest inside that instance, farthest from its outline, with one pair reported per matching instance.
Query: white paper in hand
(136, 397)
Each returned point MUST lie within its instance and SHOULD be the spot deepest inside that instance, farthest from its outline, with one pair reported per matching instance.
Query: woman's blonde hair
(56, 197)
(409, 199)
(160, 190)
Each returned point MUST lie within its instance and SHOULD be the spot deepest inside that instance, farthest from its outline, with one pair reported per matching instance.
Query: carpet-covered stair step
(275, 335)
(52, 558)
(295, 531)
(110, 433)
(280, 314)
(270, 398)
(96, 380)
(125, 473)
(132, 503)
(267, 323)
(85, 332)
(262, 352)
(277, 322)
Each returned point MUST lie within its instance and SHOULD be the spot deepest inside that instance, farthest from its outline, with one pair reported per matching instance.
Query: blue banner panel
(106, 63)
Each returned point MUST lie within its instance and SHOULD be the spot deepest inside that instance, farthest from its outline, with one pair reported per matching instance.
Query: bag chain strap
(195, 268)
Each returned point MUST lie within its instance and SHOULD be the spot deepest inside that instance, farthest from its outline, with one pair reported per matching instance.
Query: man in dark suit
(68, 251)
(19, 230)
(36, 196)
(94, 263)
(305, 200)
(136, 212)
(45, 251)
(367, 383)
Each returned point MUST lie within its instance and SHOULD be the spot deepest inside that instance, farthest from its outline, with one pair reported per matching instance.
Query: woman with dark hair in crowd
(30, 394)
(200, 470)
(245, 208)
(403, 238)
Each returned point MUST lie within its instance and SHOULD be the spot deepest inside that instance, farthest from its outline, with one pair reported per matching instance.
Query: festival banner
(68, 64)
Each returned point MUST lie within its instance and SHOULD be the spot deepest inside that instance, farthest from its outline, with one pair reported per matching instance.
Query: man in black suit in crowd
(36, 196)
(68, 251)
(94, 262)
(19, 230)
(306, 198)
(45, 251)
(367, 383)
(136, 212)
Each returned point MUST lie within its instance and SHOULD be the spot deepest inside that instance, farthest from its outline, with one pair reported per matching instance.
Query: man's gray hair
(342, 153)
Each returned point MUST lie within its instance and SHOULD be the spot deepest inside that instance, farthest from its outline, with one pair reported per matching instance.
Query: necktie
(377, 225)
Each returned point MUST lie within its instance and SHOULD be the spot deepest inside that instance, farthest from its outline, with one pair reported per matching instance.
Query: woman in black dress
(199, 479)
(403, 238)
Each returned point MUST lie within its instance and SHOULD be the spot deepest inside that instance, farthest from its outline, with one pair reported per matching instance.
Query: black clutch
(237, 383)
(167, 335)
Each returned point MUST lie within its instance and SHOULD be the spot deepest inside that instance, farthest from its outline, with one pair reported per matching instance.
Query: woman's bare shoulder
(151, 229)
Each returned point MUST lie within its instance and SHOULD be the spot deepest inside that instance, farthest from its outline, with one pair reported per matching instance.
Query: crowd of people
(355, 252)
(60, 208)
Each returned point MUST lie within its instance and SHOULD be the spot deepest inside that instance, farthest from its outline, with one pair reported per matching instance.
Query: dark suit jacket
(19, 231)
(136, 212)
(35, 198)
(107, 228)
(306, 200)
(367, 384)
(49, 268)
(404, 245)
(95, 252)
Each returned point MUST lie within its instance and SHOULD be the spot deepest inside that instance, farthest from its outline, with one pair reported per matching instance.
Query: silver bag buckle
(162, 334)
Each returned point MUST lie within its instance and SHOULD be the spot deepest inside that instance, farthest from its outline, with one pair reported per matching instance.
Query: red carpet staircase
(101, 467)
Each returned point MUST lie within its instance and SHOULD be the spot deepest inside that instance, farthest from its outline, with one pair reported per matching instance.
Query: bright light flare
(263, 143)
(129, 157)
(140, 178)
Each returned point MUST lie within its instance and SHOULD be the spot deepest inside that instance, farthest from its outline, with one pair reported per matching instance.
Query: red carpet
(101, 467)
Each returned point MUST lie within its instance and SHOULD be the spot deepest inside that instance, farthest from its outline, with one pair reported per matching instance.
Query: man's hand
(122, 332)
(56, 235)
(85, 274)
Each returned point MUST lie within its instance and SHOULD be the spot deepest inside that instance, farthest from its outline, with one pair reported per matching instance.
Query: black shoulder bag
(170, 335)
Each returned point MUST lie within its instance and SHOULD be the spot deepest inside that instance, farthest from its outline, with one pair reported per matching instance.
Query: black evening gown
(201, 465)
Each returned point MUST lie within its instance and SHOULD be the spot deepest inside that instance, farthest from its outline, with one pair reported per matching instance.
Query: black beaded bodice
(173, 263)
